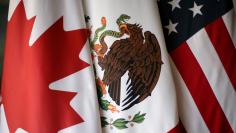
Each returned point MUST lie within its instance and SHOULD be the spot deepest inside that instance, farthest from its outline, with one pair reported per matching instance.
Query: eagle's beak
(124, 27)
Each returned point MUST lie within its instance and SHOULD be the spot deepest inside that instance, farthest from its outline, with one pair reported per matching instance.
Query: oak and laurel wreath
(122, 123)
(119, 123)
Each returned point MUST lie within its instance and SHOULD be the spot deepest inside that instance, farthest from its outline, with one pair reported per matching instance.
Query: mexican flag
(135, 86)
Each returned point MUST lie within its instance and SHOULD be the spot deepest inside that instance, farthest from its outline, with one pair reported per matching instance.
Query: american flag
(201, 40)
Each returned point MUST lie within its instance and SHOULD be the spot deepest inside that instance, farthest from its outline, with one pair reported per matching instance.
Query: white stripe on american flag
(230, 23)
(214, 71)
(188, 111)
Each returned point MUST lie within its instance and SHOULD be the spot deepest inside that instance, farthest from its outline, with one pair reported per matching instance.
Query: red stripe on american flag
(224, 47)
(179, 128)
(200, 89)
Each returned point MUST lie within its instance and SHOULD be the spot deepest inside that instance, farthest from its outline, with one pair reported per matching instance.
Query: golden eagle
(140, 56)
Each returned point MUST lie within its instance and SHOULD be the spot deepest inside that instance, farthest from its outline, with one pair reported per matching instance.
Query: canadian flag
(48, 83)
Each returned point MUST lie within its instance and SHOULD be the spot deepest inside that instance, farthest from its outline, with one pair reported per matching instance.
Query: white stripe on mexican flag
(160, 109)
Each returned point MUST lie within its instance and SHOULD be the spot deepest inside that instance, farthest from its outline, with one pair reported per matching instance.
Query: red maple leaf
(29, 103)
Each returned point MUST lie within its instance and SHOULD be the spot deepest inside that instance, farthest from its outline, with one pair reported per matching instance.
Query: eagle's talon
(97, 48)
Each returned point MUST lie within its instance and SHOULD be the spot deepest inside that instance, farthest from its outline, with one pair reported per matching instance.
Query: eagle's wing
(115, 64)
(144, 71)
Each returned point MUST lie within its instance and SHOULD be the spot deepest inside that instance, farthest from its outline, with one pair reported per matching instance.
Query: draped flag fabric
(135, 87)
(48, 83)
(201, 40)
(119, 66)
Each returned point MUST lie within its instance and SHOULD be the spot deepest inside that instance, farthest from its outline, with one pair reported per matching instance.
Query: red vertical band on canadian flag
(224, 47)
(200, 89)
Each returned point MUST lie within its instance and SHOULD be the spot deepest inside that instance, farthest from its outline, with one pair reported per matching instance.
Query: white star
(174, 4)
(171, 27)
(196, 9)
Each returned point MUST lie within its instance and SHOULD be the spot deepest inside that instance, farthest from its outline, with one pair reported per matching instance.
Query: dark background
(3, 22)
